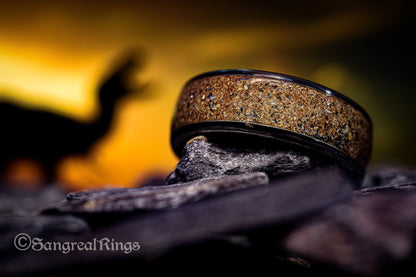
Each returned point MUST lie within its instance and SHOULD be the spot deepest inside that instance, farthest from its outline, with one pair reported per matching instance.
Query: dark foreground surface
(312, 223)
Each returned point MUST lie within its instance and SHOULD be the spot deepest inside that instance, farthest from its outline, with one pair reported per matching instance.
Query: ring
(290, 110)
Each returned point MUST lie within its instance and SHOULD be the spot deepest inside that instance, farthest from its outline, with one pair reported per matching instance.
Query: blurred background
(53, 54)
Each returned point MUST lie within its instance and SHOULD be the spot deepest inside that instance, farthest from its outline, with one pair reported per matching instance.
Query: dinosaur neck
(114, 88)
(103, 122)
(104, 119)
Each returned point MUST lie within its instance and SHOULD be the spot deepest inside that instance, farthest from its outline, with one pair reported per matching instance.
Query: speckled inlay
(277, 103)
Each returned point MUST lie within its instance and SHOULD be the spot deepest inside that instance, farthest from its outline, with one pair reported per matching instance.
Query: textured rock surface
(159, 197)
(202, 158)
(370, 232)
(24, 202)
(303, 225)
(390, 176)
(237, 231)
(39, 226)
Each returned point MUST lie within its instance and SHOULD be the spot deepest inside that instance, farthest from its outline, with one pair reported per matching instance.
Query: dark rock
(204, 158)
(365, 235)
(390, 176)
(222, 230)
(276, 204)
(45, 228)
(41, 225)
(96, 194)
(158, 197)
(24, 202)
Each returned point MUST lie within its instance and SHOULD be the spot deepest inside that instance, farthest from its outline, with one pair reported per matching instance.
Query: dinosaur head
(121, 82)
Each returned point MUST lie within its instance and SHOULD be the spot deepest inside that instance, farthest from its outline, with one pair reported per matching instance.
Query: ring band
(278, 106)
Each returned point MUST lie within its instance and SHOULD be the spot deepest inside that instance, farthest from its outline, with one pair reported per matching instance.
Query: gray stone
(158, 197)
(203, 158)
(365, 235)
(224, 231)
(24, 202)
(41, 226)
(389, 176)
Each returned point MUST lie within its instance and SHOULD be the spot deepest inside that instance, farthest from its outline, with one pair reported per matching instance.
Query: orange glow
(25, 173)
(47, 81)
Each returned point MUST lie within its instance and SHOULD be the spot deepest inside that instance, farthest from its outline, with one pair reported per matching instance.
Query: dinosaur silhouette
(48, 137)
